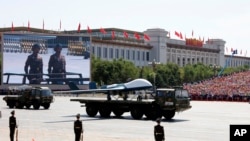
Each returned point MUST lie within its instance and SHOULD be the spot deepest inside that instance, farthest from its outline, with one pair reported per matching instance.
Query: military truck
(28, 96)
(165, 102)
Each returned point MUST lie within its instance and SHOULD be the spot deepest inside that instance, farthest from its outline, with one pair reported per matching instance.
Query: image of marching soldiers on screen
(34, 63)
(57, 65)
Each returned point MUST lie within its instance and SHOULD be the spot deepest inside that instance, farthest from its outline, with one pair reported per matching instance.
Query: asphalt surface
(206, 121)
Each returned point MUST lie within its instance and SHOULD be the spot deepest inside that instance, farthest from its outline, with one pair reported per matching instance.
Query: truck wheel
(46, 105)
(169, 114)
(27, 106)
(36, 105)
(104, 111)
(11, 104)
(153, 113)
(91, 110)
(118, 112)
(136, 113)
(19, 105)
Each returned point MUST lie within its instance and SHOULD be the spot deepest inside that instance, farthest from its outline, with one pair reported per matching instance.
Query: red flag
(113, 34)
(60, 25)
(102, 31)
(137, 36)
(125, 34)
(28, 25)
(177, 34)
(181, 36)
(79, 28)
(43, 25)
(89, 30)
(146, 37)
(12, 27)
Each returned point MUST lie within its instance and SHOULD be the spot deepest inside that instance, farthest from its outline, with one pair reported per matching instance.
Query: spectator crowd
(233, 87)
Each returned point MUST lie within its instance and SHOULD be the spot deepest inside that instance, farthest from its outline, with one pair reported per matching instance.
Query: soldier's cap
(36, 46)
(158, 120)
(12, 112)
(78, 115)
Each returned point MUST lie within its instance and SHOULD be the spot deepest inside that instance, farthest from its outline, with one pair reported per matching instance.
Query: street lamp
(154, 63)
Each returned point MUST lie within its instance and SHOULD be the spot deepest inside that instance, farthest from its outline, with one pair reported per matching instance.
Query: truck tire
(136, 112)
(11, 104)
(91, 110)
(27, 106)
(153, 113)
(46, 105)
(19, 105)
(105, 111)
(169, 114)
(118, 112)
(36, 105)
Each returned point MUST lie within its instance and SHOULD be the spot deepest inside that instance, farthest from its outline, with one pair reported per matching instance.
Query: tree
(109, 72)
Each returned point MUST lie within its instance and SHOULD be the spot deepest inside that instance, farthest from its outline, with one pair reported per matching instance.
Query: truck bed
(104, 100)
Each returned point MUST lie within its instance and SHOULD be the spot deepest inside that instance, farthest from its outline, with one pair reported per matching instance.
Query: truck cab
(41, 96)
(171, 100)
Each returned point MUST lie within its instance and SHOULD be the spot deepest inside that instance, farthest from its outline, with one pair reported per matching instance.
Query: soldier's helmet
(57, 46)
(158, 120)
(36, 46)
(12, 112)
(78, 115)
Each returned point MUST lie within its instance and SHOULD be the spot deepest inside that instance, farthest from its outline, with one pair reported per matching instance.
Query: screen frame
(82, 37)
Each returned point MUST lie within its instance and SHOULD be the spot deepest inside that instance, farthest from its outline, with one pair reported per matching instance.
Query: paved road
(206, 121)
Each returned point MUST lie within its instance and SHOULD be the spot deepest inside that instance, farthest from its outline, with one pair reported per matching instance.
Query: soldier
(159, 131)
(78, 129)
(57, 64)
(35, 62)
(12, 125)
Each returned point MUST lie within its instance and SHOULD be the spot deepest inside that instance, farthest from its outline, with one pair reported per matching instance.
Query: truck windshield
(181, 94)
(164, 93)
(46, 92)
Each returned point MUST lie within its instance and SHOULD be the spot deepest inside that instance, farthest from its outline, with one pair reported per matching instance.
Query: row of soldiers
(74, 48)
(24, 47)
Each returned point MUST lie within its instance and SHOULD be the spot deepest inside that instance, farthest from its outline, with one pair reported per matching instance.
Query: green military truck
(27, 96)
(165, 102)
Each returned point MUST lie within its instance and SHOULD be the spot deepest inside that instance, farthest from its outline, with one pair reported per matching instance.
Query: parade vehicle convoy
(27, 96)
(165, 101)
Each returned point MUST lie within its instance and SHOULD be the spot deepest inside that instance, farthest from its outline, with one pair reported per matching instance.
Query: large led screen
(21, 66)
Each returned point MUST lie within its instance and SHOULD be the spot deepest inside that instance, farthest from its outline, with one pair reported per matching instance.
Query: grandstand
(233, 87)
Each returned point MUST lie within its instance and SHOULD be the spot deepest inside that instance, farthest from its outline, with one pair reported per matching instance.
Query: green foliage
(109, 72)
(238, 69)
(164, 75)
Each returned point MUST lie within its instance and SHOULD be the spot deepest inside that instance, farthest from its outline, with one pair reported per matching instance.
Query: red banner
(194, 42)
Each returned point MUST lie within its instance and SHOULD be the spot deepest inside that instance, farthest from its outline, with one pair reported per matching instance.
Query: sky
(228, 20)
